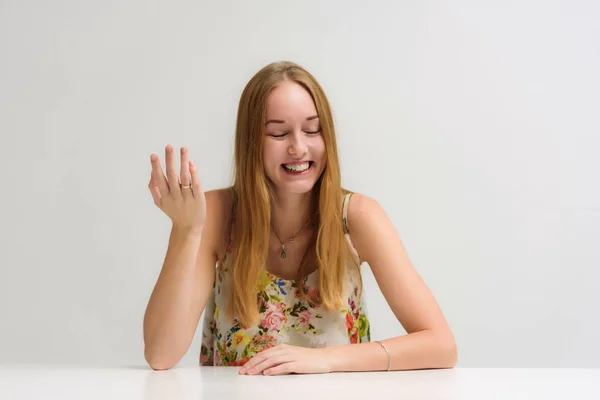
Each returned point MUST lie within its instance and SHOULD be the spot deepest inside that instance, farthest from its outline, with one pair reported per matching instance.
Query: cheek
(321, 150)
(271, 156)
(268, 152)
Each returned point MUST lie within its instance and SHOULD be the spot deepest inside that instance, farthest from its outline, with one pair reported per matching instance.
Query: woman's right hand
(186, 206)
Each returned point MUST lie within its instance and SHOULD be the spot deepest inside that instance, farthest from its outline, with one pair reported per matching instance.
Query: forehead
(290, 99)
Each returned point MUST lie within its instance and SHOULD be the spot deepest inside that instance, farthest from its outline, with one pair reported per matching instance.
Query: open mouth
(298, 169)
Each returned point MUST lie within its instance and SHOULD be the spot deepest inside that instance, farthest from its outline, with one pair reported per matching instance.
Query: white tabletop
(65, 383)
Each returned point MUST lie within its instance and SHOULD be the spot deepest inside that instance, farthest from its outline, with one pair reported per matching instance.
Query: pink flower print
(203, 359)
(313, 296)
(308, 293)
(300, 291)
(274, 317)
(304, 318)
(262, 342)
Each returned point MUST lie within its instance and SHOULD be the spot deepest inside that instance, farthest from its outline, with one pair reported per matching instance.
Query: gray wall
(474, 123)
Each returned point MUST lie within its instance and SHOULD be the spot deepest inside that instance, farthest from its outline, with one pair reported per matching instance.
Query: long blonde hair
(253, 196)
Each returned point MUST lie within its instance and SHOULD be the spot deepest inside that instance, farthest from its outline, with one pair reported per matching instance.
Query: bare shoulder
(361, 209)
(366, 220)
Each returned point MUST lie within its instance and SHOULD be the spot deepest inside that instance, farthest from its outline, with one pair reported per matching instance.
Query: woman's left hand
(286, 359)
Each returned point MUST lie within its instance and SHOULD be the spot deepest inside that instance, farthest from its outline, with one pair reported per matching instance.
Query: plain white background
(474, 123)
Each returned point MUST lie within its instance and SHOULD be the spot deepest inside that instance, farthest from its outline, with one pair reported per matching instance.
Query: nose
(297, 145)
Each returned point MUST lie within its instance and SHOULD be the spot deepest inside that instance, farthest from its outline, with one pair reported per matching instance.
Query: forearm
(168, 310)
(418, 350)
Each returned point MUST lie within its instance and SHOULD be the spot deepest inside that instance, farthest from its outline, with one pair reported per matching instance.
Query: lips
(297, 162)
(310, 166)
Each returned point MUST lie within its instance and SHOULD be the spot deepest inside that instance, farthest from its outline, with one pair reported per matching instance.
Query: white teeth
(297, 167)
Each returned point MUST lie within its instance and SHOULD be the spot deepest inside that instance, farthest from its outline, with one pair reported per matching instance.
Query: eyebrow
(280, 121)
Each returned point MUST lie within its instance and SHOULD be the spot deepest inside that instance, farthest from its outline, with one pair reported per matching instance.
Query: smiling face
(293, 150)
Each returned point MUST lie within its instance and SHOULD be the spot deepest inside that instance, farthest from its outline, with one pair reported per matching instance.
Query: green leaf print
(297, 308)
(220, 349)
(246, 351)
(363, 325)
(275, 298)
(261, 329)
(230, 356)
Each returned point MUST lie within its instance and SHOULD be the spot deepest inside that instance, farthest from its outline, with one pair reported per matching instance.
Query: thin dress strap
(345, 212)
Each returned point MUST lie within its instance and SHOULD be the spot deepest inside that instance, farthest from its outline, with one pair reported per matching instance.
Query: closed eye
(283, 134)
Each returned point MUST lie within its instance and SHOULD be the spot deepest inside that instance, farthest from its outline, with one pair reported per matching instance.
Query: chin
(296, 188)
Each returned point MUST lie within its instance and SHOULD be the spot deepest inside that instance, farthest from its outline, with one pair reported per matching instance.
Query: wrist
(187, 230)
(332, 356)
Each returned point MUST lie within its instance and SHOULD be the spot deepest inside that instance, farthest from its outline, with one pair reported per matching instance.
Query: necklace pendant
(282, 254)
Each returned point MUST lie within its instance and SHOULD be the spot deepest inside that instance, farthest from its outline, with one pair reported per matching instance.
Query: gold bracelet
(388, 354)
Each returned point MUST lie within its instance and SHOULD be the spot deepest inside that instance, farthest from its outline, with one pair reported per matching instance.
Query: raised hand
(179, 196)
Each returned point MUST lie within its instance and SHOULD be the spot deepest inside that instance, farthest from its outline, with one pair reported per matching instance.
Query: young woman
(288, 243)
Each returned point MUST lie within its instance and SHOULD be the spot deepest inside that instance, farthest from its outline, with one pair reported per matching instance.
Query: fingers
(172, 178)
(257, 359)
(155, 194)
(185, 176)
(267, 358)
(158, 183)
(161, 186)
(269, 363)
(285, 368)
(196, 187)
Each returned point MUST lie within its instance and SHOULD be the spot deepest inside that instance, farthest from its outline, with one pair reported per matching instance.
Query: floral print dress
(285, 317)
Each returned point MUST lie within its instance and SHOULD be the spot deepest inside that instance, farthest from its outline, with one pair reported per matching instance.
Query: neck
(290, 213)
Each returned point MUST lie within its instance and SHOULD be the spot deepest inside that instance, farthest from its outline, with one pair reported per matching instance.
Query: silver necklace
(282, 253)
